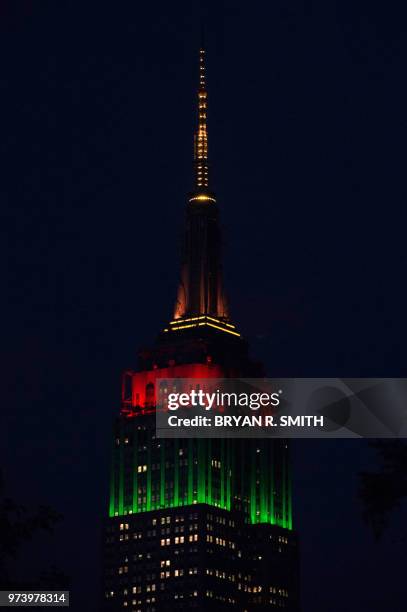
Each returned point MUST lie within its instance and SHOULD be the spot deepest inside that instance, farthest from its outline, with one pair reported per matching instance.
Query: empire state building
(196, 523)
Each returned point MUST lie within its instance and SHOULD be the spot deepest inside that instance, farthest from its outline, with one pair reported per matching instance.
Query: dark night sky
(307, 136)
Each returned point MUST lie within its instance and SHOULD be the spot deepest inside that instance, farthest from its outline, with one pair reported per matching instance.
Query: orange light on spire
(201, 136)
(200, 291)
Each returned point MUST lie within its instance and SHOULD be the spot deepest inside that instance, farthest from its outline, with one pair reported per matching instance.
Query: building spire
(201, 299)
(201, 135)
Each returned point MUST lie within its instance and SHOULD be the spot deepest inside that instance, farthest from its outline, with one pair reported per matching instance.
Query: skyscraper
(196, 523)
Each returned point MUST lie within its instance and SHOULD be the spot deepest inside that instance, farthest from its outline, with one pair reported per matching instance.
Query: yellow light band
(202, 198)
(228, 331)
(199, 322)
(221, 322)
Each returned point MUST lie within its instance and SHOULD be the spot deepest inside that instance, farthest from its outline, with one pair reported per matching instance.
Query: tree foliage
(384, 490)
(19, 525)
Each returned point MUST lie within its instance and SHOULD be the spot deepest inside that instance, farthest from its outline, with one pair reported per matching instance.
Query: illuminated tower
(201, 290)
(195, 523)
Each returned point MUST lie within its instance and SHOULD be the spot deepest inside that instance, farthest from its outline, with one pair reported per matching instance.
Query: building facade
(196, 523)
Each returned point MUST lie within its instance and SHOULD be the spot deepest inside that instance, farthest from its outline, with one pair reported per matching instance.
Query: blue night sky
(307, 133)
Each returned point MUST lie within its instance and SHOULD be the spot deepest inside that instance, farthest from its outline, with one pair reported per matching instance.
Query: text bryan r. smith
(247, 421)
